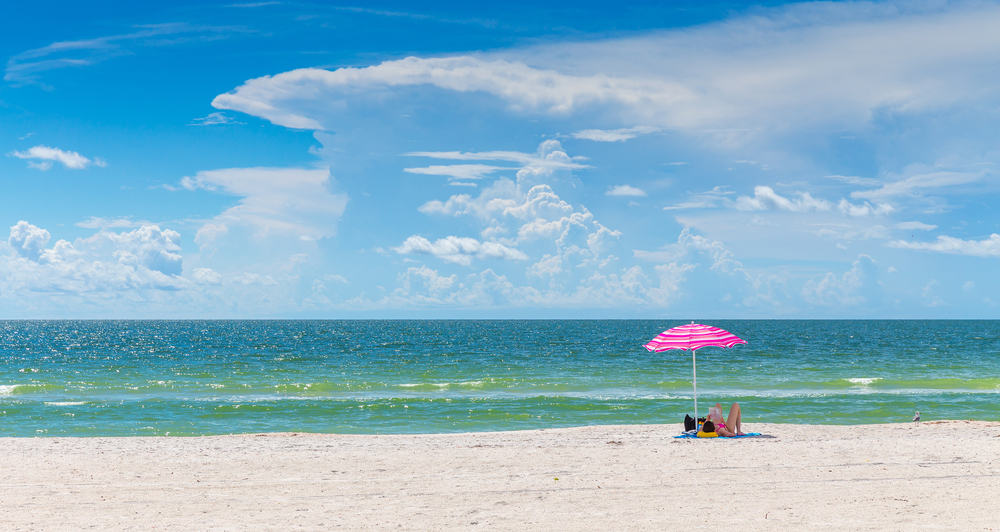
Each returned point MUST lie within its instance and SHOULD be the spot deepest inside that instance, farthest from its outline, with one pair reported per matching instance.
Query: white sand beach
(934, 475)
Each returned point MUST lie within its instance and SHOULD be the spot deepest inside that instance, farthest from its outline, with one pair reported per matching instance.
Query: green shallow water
(112, 378)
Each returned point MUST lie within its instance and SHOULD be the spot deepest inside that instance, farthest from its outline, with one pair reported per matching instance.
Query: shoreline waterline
(670, 429)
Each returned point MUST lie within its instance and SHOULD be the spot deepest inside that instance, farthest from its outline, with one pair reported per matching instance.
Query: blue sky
(690, 160)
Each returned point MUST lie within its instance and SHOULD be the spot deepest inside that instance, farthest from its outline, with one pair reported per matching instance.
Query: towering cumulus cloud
(117, 263)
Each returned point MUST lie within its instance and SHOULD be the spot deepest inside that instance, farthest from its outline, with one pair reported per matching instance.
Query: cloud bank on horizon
(806, 160)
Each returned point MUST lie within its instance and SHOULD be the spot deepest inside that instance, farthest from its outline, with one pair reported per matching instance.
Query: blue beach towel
(695, 436)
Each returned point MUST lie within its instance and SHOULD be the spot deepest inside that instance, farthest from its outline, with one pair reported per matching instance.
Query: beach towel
(695, 436)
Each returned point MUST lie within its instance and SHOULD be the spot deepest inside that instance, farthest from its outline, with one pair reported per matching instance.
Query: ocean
(186, 378)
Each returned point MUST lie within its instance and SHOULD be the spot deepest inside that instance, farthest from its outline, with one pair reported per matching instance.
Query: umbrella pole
(694, 372)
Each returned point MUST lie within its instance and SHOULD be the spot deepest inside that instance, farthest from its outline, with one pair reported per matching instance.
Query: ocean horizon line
(467, 319)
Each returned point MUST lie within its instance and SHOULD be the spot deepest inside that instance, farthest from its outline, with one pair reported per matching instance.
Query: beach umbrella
(692, 337)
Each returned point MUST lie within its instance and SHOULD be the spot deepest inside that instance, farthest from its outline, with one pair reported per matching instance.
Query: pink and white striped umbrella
(692, 337)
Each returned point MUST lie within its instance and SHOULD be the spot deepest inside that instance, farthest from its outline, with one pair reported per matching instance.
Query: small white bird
(916, 416)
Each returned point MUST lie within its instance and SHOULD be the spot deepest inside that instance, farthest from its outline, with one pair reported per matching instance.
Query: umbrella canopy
(692, 337)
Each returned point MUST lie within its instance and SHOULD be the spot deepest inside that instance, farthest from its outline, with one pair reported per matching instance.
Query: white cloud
(28, 240)
(524, 87)
(856, 180)
(782, 68)
(853, 287)
(721, 259)
(784, 235)
(210, 232)
(613, 135)
(563, 281)
(190, 183)
(147, 246)
(670, 277)
(254, 279)
(540, 205)
(765, 198)
(458, 171)
(26, 67)
(119, 264)
(548, 265)
(97, 222)
(910, 185)
(864, 209)
(571, 252)
(720, 276)
(485, 206)
(915, 226)
(293, 202)
(323, 291)
(214, 119)
(206, 276)
(793, 73)
(534, 215)
(806, 63)
(843, 233)
(460, 250)
(987, 247)
(694, 204)
(424, 279)
(931, 299)
(703, 200)
(625, 190)
(421, 286)
(249, 5)
(550, 156)
(42, 157)
(522, 200)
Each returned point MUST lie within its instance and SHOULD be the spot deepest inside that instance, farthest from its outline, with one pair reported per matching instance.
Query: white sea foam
(464, 384)
(8, 389)
(65, 403)
(374, 398)
(864, 381)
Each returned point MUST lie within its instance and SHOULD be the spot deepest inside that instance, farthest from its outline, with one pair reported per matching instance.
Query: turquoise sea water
(114, 378)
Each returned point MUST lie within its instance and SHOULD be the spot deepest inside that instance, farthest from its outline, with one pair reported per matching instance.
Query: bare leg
(735, 419)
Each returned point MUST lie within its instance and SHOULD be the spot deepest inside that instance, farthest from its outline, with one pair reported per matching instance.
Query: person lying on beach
(732, 426)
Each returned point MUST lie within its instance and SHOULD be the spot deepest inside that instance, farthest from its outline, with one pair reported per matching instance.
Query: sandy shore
(942, 475)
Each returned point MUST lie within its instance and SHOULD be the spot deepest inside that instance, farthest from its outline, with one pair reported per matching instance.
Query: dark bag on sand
(690, 424)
